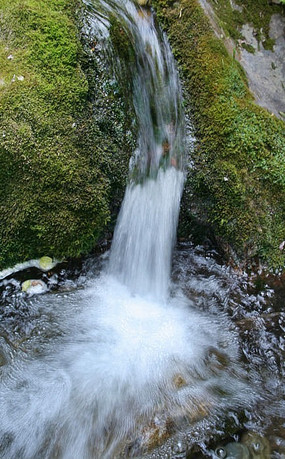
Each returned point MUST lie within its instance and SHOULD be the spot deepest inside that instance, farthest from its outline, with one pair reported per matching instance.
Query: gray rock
(265, 69)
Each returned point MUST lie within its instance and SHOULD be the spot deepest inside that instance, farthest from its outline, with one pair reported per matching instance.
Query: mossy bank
(65, 139)
(235, 188)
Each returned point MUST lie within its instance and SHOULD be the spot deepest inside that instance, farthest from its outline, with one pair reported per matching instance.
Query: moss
(249, 48)
(63, 134)
(236, 186)
(121, 41)
(257, 14)
(268, 44)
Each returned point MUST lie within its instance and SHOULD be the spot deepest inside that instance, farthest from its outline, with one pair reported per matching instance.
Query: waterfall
(123, 360)
(144, 236)
(145, 232)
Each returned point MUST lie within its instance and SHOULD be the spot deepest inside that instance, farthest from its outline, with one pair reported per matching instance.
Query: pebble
(34, 286)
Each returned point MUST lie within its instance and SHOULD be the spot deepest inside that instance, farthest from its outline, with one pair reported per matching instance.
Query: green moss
(121, 41)
(268, 44)
(237, 185)
(249, 48)
(257, 14)
(63, 134)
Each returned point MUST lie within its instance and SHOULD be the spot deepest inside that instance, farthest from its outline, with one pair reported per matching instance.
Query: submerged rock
(258, 446)
(252, 446)
(3, 359)
(232, 451)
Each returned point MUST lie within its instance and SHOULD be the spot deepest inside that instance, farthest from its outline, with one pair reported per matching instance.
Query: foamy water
(145, 234)
(114, 370)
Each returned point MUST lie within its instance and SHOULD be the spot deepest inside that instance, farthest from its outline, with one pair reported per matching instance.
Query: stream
(147, 351)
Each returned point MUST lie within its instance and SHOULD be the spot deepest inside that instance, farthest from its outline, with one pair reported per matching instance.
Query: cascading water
(144, 236)
(128, 358)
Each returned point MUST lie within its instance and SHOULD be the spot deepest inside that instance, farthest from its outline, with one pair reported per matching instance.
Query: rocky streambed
(33, 325)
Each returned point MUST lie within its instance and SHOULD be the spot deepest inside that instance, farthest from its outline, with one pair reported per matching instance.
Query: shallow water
(89, 371)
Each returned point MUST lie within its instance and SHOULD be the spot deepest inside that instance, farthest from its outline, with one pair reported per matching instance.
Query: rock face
(264, 65)
(265, 69)
(235, 188)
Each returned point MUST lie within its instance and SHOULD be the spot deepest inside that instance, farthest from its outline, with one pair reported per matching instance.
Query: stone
(26, 285)
(258, 446)
(156, 433)
(46, 263)
(179, 381)
(34, 286)
(144, 2)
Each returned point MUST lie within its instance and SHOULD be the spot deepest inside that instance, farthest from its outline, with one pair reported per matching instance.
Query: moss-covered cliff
(236, 187)
(64, 134)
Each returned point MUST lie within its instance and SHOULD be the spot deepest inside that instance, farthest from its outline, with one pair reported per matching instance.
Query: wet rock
(264, 68)
(144, 2)
(34, 286)
(179, 381)
(150, 437)
(156, 433)
(216, 359)
(257, 445)
(164, 425)
(3, 359)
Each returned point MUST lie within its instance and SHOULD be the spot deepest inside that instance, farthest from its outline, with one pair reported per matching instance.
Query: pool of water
(107, 373)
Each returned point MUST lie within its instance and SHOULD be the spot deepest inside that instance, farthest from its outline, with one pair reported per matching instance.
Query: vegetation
(236, 187)
(64, 138)
(233, 15)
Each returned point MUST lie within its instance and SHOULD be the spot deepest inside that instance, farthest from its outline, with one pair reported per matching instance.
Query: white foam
(145, 234)
(113, 373)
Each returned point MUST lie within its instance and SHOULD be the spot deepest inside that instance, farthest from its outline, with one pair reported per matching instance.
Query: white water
(124, 342)
(145, 234)
(114, 373)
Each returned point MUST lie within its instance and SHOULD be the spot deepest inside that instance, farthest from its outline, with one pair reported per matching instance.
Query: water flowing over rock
(145, 233)
(130, 358)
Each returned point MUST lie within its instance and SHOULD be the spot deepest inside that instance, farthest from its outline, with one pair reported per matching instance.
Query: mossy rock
(236, 187)
(64, 139)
